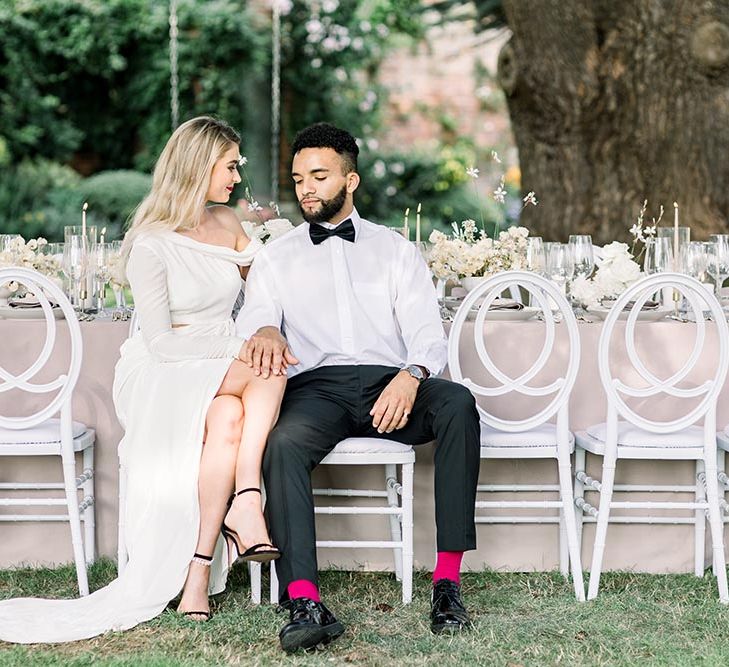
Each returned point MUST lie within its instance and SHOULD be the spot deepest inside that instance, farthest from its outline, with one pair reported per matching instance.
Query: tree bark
(617, 101)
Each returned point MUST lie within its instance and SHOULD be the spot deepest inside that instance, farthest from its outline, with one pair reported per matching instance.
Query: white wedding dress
(164, 383)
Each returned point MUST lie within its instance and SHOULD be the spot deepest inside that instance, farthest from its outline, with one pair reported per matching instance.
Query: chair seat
(540, 442)
(364, 448)
(635, 442)
(45, 438)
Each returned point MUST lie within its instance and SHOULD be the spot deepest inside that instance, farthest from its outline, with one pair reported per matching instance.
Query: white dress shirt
(342, 303)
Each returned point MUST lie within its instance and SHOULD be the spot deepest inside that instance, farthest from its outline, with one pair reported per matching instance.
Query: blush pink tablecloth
(514, 345)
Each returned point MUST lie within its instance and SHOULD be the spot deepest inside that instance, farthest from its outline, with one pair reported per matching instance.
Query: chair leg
(254, 570)
(563, 543)
(395, 521)
(568, 514)
(273, 593)
(407, 532)
(579, 492)
(90, 510)
(606, 496)
(121, 553)
(717, 528)
(69, 483)
(699, 522)
(721, 468)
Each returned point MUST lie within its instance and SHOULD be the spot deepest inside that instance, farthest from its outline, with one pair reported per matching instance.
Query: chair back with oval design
(45, 290)
(546, 296)
(700, 301)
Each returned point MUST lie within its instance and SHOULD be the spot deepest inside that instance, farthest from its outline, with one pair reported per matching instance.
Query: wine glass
(658, 255)
(101, 270)
(75, 266)
(720, 267)
(583, 259)
(559, 265)
(696, 261)
(535, 258)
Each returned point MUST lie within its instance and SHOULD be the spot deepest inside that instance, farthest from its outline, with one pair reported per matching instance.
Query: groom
(355, 303)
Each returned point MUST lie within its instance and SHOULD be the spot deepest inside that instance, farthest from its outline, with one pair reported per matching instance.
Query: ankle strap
(200, 559)
(251, 488)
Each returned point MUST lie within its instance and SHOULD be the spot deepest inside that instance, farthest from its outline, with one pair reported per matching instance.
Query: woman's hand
(267, 352)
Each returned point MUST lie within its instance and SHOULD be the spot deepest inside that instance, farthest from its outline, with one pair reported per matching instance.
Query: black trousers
(328, 404)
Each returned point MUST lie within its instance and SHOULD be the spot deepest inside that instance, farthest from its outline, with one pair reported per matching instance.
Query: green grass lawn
(520, 619)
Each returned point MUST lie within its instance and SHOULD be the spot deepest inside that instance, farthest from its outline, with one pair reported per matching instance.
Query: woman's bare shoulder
(227, 218)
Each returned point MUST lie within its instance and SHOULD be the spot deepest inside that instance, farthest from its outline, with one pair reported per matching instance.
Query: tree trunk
(617, 101)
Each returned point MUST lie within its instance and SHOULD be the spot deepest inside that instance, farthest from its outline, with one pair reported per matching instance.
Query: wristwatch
(419, 373)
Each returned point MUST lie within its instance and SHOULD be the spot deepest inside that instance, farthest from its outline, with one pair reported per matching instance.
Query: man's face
(323, 189)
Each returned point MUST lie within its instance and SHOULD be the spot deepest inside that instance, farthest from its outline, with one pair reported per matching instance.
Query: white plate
(506, 314)
(8, 313)
(652, 315)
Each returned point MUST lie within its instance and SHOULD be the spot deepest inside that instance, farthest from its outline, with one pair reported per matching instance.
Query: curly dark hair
(326, 135)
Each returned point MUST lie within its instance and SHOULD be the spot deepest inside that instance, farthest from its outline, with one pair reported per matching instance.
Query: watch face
(416, 372)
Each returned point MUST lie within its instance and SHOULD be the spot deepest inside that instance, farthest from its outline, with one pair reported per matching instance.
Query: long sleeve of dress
(148, 279)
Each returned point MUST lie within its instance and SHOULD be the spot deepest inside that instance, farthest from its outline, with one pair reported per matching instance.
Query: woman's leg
(261, 401)
(223, 427)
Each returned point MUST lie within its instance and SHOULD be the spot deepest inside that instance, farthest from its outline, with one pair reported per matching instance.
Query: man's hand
(394, 405)
(267, 352)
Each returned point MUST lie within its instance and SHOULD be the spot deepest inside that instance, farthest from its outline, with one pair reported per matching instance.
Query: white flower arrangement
(267, 230)
(470, 253)
(29, 255)
(616, 273)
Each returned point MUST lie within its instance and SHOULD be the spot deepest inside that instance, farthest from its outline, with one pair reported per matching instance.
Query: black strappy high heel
(205, 561)
(260, 553)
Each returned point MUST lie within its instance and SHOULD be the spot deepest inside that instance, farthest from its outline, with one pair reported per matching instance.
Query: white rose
(614, 250)
(278, 227)
(625, 270)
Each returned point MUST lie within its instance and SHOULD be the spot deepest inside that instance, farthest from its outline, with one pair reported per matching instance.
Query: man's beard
(329, 208)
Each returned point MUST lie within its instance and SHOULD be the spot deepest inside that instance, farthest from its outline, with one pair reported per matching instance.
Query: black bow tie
(344, 230)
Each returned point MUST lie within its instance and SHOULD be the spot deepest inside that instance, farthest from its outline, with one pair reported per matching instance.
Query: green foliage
(486, 14)
(331, 53)
(112, 197)
(393, 182)
(38, 197)
(92, 76)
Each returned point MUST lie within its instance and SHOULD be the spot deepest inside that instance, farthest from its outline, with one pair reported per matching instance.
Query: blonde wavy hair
(181, 178)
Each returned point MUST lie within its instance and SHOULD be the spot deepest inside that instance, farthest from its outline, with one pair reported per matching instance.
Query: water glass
(658, 255)
(583, 259)
(535, 258)
(696, 261)
(75, 267)
(684, 237)
(559, 265)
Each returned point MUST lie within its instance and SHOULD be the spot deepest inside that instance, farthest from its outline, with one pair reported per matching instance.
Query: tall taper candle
(676, 265)
(417, 224)
(83, 223)
(406, 225)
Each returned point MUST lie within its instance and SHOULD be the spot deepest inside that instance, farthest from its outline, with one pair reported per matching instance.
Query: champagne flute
(74, 266)
(559, 265)
(721, 264)
(535, 257)
(101, 274)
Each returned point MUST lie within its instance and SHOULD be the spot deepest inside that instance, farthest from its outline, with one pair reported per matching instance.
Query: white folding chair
(397, 495)
(42, 434)
(532, 437)
(122, 554)
(628, 435)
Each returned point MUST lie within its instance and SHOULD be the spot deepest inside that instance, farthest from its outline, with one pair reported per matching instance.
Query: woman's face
(224, 176)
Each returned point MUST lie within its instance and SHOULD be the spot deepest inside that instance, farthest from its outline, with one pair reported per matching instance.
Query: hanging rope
(174, 78)
(275, 99)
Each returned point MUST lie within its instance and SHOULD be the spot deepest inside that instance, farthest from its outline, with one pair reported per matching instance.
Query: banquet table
(653, 548)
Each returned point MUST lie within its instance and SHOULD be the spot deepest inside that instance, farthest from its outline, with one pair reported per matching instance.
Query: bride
(196, 417)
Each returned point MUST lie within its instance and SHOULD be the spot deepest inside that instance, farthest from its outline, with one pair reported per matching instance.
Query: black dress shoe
(311, 625)
(447, 613)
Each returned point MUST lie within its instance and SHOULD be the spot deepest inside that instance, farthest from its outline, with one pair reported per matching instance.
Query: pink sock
(448, 566)
(303, 588)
